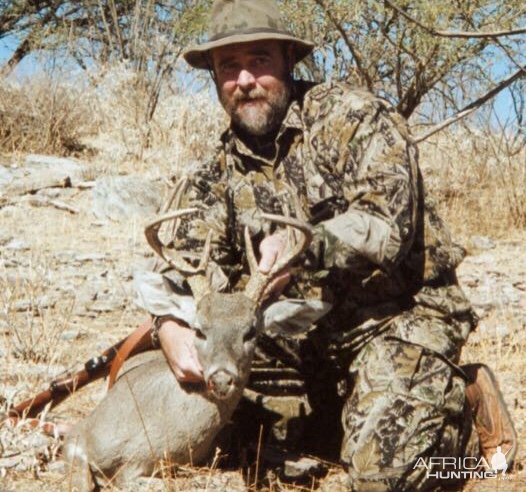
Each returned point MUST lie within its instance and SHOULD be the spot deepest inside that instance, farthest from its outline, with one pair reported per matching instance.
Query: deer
(148, 415)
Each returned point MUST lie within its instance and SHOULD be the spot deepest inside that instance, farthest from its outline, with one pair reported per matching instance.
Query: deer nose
(221, 383)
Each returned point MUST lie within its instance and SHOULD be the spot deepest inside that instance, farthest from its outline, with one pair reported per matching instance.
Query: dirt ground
(66, 294)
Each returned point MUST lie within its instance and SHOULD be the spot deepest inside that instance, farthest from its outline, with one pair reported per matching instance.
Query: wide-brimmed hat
(242, 21)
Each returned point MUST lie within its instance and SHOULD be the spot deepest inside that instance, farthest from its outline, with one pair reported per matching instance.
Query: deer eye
(199, 334)
(250, 334)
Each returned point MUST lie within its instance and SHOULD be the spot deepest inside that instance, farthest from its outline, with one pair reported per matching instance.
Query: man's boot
(492, 419)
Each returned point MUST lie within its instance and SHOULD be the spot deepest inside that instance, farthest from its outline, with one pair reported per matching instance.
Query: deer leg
(79, 470)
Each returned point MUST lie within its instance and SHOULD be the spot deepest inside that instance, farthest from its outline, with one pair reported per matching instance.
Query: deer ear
(293, 316)
(161, 296)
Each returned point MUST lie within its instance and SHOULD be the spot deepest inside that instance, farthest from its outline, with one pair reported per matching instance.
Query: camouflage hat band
(244, 21)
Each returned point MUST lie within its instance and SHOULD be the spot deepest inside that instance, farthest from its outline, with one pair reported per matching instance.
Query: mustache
(256, 93)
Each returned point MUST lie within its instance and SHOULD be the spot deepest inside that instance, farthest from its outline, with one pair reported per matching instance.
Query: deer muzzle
(222, 383)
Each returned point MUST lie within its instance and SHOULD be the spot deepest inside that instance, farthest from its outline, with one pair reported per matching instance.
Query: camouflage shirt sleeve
(375, 166)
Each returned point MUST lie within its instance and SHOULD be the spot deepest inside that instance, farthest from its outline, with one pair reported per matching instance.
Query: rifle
(94, 369)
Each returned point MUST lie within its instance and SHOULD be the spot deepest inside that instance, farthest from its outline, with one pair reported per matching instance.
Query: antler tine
(175, 200)
(259, 281)
(176, 195)
(251, 257)
(151, 232)
(299, 247)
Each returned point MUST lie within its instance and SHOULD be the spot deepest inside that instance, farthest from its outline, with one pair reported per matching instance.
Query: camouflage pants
(404, 399)
(406, 402)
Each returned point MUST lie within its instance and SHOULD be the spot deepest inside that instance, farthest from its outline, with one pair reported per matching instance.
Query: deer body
(146, 417)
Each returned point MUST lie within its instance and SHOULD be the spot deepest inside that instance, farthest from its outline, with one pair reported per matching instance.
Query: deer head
(227, 324)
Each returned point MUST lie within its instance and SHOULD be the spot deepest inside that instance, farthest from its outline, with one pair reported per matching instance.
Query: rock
(41, 302)
(510, 295)
(5, 177)
(58, 467)
(335, 482)
(10, 461)
(69, 335)
(17, 245)
(106, 305)
(288, 411)
(482, 242)
(502, 330)
(90, 257)
(149, 484)
(303, 468)
(17, 279)
(211, 482)
(469, 280)
(35, 440)
(52, 371)
(483, 259)
(28, 462)
(11, 263)
(42, 171)
(53, 164)
(121, 197)
(50, 192)
(5, 238)
(103, 344)
(493, 331)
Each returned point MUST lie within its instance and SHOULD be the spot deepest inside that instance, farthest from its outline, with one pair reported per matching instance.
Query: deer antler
(299, 236)
(259, 281)
(195, 276)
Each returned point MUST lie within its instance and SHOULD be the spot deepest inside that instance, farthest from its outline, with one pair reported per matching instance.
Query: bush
(43, 116)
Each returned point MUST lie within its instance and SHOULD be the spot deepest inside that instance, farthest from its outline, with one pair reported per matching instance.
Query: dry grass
(184, 128)
(108, 116)
(43, 115)
(480, 183)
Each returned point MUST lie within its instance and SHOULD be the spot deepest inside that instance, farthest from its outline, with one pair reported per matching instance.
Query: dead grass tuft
(33, 329)
(42, 115)
(478, 180)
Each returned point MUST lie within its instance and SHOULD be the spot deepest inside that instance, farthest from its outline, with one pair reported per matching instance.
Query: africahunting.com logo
(467, 467)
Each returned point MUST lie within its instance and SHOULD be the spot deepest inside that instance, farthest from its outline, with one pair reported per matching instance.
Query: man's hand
(177, 343)
(272, 248)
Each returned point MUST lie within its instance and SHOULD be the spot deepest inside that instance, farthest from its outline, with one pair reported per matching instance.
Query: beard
(258, 112)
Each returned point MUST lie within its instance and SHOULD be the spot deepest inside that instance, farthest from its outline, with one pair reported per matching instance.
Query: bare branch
(455, 34)
(472, 106)
(355, 53)
(21, 51)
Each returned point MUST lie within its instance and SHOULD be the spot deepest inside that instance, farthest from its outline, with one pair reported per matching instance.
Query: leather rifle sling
(141, 335)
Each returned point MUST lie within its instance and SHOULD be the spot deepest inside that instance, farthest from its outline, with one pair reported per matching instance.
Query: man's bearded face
(253, 84)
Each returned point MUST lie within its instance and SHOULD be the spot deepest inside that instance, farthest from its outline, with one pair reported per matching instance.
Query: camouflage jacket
(379, 246)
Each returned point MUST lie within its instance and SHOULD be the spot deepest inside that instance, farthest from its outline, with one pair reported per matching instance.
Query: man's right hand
(177, 343)
(272, 248)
